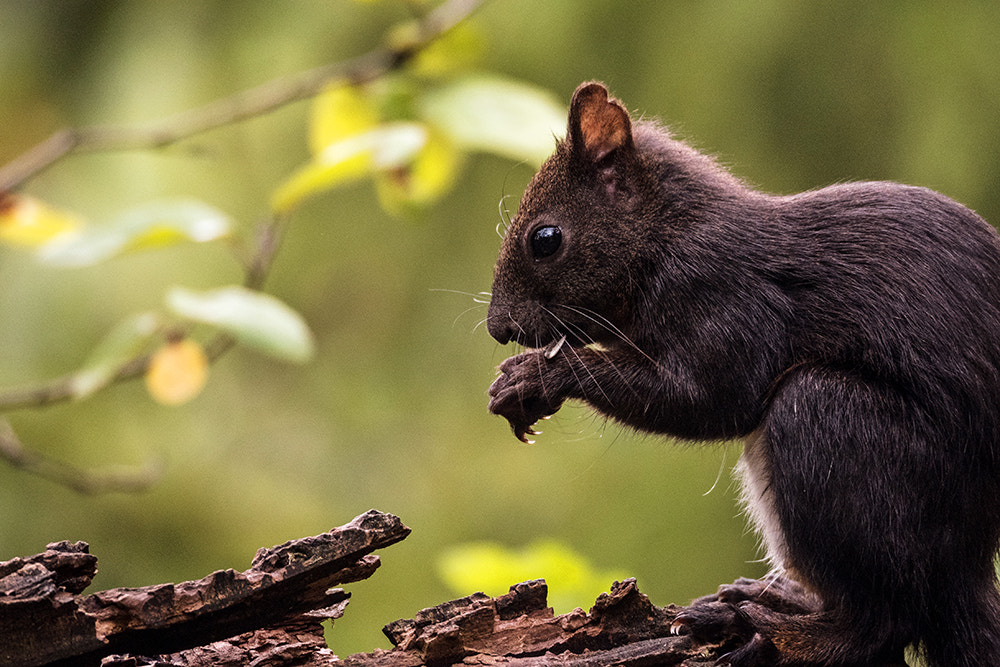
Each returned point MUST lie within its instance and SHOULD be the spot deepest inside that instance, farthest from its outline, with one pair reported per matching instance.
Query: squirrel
(849, 335)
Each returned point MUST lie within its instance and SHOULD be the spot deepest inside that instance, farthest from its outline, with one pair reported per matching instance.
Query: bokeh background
(391, 412)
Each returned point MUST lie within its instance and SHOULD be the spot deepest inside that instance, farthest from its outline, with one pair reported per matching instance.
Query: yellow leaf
(424, 181)
(384, 147)
(177, 372)
(27, 221)
(318, 176)
(339, 112)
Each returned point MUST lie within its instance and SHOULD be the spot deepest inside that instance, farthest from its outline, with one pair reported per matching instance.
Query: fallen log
(271, 614)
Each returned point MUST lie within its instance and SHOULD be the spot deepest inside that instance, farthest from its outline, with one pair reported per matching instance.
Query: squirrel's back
(898, 282)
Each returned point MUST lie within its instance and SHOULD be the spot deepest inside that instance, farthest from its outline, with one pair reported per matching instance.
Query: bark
(271, 614)
(287, 592)
(518, 629)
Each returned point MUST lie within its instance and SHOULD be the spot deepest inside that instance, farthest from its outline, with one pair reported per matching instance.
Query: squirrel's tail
(964, 629)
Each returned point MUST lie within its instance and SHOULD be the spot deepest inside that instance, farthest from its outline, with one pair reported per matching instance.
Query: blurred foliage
(26, 221)
(411, 135)
(152, 225)
(177, 372)
(255, 319)
(490, 568)
(390, 411)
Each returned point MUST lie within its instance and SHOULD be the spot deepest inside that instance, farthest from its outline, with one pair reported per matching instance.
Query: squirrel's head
(564, 267)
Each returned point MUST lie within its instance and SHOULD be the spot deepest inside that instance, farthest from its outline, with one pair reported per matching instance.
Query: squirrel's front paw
(525, 392)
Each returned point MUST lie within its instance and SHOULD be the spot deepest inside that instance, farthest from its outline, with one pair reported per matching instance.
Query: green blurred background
(391, 413)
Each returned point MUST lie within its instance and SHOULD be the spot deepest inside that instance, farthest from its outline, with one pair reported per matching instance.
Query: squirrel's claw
(519, 394)
(523, 433)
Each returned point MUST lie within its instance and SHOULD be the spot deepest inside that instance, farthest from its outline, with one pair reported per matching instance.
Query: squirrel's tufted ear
(598, 124)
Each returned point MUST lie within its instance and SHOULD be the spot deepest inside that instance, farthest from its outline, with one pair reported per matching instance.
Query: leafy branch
(258, 257)
(70, 387)
(242, 106)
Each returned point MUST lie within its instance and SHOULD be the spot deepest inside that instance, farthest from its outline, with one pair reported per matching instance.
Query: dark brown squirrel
(850, 335)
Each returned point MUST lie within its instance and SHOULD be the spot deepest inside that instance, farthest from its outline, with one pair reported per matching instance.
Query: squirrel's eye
(545, 241)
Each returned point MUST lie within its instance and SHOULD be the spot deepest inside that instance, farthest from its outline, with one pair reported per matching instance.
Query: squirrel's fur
(850, 334)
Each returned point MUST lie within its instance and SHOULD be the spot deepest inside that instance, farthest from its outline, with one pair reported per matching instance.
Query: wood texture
(271, 614)
(44, 620)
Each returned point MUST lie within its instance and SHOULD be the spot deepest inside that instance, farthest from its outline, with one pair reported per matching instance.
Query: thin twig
(89, 482)
(248, 104)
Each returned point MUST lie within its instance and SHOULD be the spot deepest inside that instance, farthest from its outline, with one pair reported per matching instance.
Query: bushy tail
(964, 630)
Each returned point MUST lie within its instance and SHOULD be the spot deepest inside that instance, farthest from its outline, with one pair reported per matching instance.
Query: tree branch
(88, 482)
(247, 104)
(257, 265)
(241, 106)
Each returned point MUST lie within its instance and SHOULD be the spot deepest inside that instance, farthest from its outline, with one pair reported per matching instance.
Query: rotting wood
(519, 629)
(271, 614)
(44, 620)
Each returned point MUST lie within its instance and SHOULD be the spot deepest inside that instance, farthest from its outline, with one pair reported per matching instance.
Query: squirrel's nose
(499, 323)
(501, 331)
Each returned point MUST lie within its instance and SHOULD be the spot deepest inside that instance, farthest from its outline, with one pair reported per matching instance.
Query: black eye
(545, 241)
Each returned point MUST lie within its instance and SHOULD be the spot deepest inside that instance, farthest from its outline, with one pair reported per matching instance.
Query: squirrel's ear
(598, 124)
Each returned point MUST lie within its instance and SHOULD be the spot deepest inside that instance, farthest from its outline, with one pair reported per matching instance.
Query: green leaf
(387, 146)
(255, 319)
(152, 225)
(492, 568)
(395, 144)
(121, 344)
(454, 51)
(497, 116)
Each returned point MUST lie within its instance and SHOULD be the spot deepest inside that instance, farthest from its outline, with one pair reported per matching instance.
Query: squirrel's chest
(757, 498)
